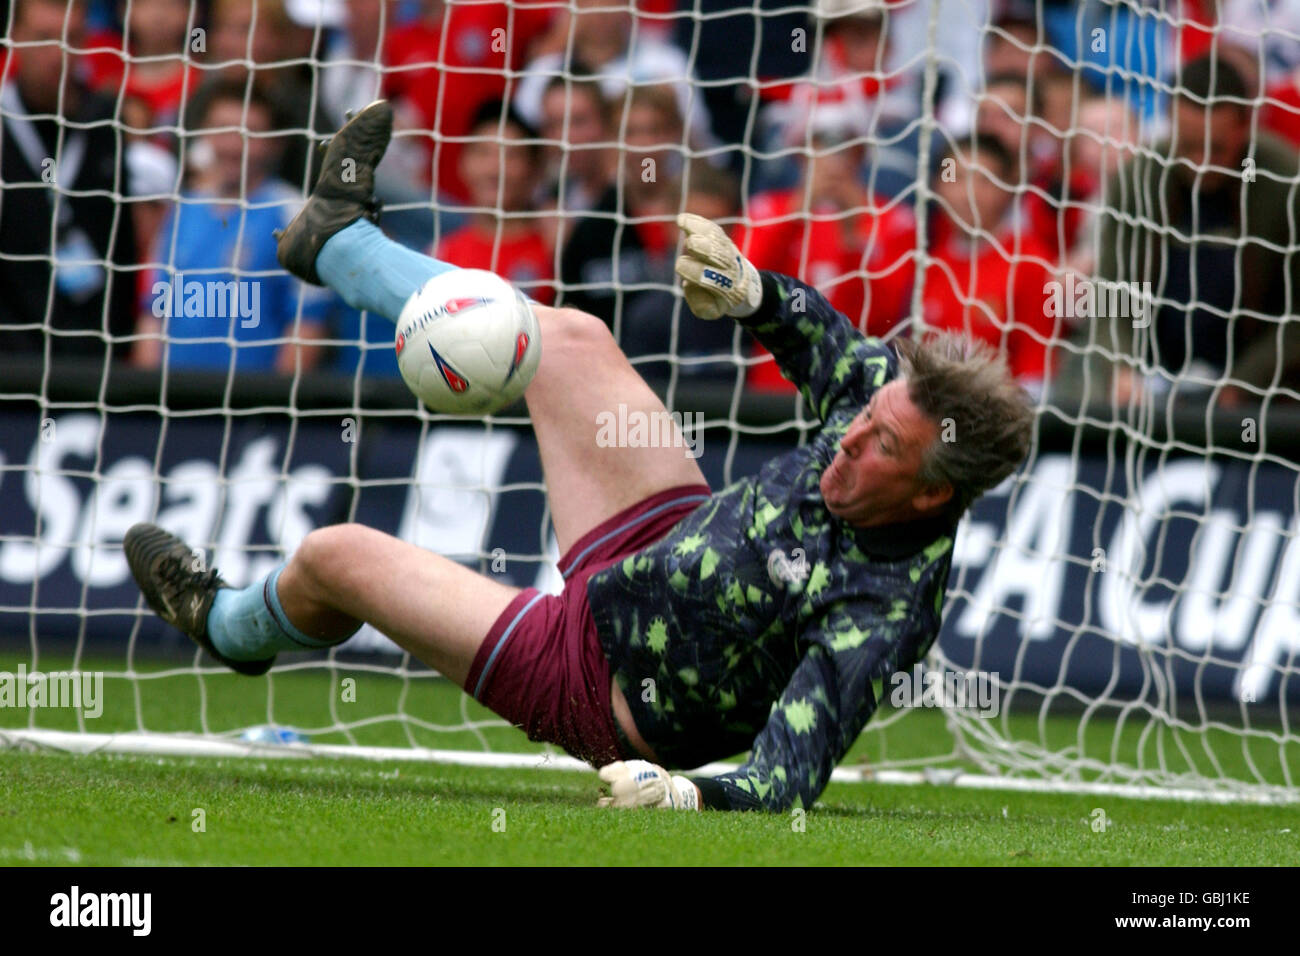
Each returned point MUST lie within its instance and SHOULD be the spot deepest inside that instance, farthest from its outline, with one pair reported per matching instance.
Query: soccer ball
(468, 343)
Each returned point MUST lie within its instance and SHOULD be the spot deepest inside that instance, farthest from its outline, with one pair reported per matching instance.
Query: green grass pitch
(57, 809)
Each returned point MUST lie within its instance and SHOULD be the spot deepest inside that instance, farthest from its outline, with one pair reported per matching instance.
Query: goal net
(1105, 192)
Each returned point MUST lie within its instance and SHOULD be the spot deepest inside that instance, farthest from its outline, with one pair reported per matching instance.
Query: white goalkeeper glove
(716, 279)
(640, 783)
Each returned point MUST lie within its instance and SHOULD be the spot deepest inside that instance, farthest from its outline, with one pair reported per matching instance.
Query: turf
(59, 809)
(107, 809)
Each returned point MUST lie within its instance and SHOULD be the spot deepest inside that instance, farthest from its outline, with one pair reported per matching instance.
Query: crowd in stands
(1054, 146)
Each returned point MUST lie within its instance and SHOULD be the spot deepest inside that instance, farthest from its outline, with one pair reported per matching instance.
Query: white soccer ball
(468, 343)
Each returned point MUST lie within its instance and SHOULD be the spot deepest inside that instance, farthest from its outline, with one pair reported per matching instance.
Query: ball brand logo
(436, 312)
(455, 381)
(401, 342)
(454, 306)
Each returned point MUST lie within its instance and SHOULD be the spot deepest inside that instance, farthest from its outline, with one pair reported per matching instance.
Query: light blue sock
(249, 624)
(372, 272)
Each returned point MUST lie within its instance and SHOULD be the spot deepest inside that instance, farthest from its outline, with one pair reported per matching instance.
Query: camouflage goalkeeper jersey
(761, 618)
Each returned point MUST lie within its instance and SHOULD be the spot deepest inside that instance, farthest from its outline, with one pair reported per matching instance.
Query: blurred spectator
(629, 241)
(1247, 33)
(253, 39)
(1015, 44)
(960, 29)
(311, 24)
(100, 15)
(153, 181)
(352, 74)
(500, 166)
(1003, 113)
(1123, 50)
(1056, 93)
(1104, 135)
(67, 237)
(846, 83)
(736, 42)
(220, 300)
(150, 65)
(1012, 46)
(150, 74)
(1049, 205)
(1053, 209)
(982, 280)
(352, 65)
(713, 193)
(602, 40)
(654, 323)
(618, 264)
(830, 231)
(450, 62)
(580, 159)
(1209, 220)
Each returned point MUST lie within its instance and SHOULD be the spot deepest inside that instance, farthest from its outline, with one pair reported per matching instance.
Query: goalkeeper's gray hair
(985, 418)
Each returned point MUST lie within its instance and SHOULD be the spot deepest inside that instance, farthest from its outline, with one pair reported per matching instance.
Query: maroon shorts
(541, 666)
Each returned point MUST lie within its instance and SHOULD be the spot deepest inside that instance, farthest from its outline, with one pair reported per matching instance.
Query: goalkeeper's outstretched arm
(824, 707)
(815, 346)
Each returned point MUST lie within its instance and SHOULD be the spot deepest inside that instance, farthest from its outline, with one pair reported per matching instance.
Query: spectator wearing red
(983, 279)
(1049, 206)
(450, 62)
(846, 77)
(830, 231)
(499, 166)
(602, 39)
(148, 63)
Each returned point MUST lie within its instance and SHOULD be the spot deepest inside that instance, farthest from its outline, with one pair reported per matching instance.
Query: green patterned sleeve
(815, 346)
(821, 712)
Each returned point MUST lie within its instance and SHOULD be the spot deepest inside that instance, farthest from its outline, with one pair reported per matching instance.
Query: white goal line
(180, 745)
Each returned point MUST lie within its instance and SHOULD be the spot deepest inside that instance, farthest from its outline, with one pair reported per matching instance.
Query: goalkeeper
(692, 625)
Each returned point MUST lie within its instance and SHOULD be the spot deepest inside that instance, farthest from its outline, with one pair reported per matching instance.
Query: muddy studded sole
(180, 594)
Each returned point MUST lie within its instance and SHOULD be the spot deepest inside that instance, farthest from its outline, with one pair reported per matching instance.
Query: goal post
(1123, 614)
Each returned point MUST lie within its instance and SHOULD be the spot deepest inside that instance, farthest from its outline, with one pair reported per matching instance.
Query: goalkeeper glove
(640, 783)
(716, 279)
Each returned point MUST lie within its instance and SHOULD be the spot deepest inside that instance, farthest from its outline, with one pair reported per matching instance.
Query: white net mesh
(1106, 192)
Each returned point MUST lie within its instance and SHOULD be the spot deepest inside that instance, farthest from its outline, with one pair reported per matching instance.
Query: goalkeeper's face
(873, 477)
